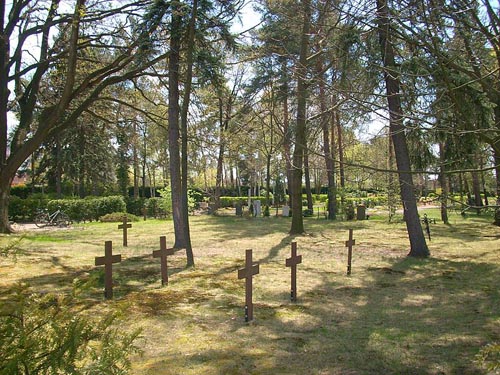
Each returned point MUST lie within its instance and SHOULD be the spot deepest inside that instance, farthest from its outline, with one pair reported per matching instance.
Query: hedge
(25, 209)
(90, 208)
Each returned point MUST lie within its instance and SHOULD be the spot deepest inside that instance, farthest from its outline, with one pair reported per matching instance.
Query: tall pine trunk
(300, 130)
(174, 127)
(418, 245)
(184, 135)
(444, 183)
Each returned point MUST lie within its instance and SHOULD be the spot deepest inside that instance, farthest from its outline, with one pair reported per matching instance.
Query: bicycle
(57, 218)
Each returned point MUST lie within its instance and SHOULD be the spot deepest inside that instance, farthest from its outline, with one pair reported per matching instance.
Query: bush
(308, 213)
(25, 209)
(42, 334)
(90, 208)
(153, 208)
(117, 217)
(135, 205)
(489, 357)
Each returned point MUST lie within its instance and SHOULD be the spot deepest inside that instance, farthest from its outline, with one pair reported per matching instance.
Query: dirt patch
(29, 227)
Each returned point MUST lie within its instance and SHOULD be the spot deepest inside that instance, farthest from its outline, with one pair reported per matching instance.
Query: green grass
(393, 315)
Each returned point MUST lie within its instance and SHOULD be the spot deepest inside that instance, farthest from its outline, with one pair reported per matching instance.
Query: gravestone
(239, 209)
(107, 260)
(292, 263)
(361, 212)
(247, 273)
(124, 226)
(162, 254)
(349, 244)
(257, 208)
(285, 211)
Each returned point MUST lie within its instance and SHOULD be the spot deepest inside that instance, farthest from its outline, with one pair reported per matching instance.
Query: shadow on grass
(426, 316)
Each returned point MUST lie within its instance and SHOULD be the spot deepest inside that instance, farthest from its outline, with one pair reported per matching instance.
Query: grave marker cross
(247, 273)
(124, 226)
(292, 263)
(162, 254)
(349, 244)
(107, 260)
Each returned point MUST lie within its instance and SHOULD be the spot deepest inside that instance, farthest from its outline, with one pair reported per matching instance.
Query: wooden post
(124, 226)
(292, 263)
(107, 260)
(247, 273)
(349, 244)
(162, 254)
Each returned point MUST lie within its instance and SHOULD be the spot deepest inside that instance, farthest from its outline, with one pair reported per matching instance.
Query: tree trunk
(307, 177)
(476, 190)
(328, 155)
(444, 185)
(4, 204)
(496, 158)
(418, 245)
(300, 131)
(58, 169)
(220, 157)
(184, 133)
(135, 158)
(340, 148)
(173, 127)
(286, 134)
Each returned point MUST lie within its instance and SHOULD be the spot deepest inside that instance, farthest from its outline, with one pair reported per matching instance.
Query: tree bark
(418, 245)
(307, 178)
(184, 134)
(174, 126)
(222, 149)
(326, 119)
(300, 130)
(286, 132)
(444, 184)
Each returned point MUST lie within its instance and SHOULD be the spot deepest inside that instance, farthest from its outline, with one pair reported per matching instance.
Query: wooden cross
(162, 254)
(247, 273)
(349, 244)
(124, 226)
(107, 260)
(292, 263)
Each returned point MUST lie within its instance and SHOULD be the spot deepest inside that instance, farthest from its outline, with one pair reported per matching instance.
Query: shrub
(489, 357)
(308, 213)
(25, 209)
(135, 205)
(42, 334)
(153, 208)
(90, 208)
(117, 217)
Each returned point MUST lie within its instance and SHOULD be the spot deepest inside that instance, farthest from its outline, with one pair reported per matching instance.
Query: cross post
(349, 244)
(107, 260)
(124, 226)
(292, 263)
(247, 273)
(162, 254)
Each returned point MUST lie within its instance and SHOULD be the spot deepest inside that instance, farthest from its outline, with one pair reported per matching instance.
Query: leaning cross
(124, 226)
(247, 273)
(292, 263)
(350, 243)
(107, 260)
(162, 254)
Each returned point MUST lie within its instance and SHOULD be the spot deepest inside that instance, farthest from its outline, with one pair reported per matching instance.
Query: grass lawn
(393, 315)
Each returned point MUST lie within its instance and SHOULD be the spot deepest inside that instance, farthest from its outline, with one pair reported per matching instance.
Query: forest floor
(392, 315)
